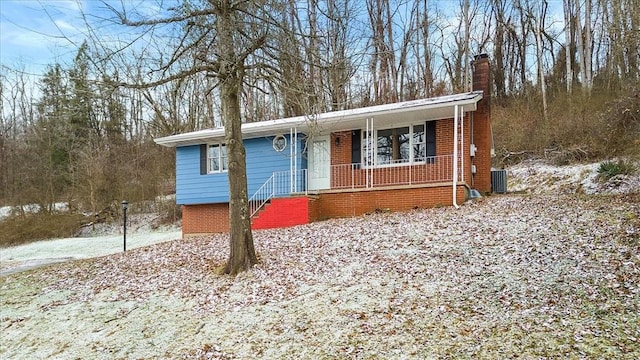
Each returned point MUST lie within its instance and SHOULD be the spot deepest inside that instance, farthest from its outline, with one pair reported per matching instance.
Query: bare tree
(536, 18)
(568, 36)
(383, 56)
(220, 37)
(583, 35)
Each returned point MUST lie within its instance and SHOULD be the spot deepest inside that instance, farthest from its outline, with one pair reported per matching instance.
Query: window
(393, 146)
(279, 143)
(217, 159)
(407, 144)
(419, 143)
(431, 138)
(356, 146)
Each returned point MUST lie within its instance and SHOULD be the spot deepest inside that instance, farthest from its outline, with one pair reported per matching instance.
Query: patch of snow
(5, 211)
(141, 222)
(537, 177)
(49, 251)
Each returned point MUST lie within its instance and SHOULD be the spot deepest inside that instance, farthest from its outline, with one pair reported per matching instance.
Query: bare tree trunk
(580, 36)
(568, 32)
(382, 63)
(242, 253)
(467, 35)
(427, 70)
(588, 46)
(522, 46)
(543, 88)
(498, 51)
(633, 40)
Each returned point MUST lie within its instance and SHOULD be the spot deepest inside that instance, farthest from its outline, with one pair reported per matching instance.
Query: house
(419, 153)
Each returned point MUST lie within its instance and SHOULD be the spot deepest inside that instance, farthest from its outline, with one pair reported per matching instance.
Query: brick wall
(214, 218)
(341, 149)
(346, 204)
(440, 170)
(205, 219)
(482, 124)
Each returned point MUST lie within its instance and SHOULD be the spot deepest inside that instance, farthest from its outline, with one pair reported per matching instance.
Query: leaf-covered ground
(531, 276)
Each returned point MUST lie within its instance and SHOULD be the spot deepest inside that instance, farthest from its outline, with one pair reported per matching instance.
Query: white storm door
(320, 163)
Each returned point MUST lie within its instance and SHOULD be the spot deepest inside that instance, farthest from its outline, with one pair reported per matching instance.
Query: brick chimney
(482, 124)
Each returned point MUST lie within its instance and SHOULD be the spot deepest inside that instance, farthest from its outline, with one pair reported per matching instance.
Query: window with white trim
(393, 146)
(217, 159)
(407, 144)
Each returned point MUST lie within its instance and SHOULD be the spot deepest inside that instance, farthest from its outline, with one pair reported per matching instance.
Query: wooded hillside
(566, 79)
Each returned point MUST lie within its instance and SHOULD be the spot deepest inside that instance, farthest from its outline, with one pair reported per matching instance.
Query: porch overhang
(441, 107)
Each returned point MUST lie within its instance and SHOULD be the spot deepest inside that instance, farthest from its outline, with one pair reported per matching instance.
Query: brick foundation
(205, 219)
(284, 212)
(353, 203)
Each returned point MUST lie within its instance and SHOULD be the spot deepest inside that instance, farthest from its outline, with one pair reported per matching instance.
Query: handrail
(261, 196)
(281, 183)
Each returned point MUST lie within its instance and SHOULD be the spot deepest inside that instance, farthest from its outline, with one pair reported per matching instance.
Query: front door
(320, 163)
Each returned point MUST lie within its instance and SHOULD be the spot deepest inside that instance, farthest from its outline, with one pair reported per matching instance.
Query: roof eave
(273, 127)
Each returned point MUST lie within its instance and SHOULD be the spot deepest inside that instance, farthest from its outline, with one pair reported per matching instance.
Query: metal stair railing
(281, 183)
(261, 196)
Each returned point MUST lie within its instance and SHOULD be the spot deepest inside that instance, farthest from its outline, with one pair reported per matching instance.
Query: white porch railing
(354, 176)
(281, 183)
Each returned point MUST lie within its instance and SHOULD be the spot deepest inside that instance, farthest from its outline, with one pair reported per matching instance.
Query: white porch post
(294, 144)
(291, 156)
(293, 160)
(370, 151)
(455, 154)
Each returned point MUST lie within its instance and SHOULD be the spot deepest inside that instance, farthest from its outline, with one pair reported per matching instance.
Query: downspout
(472, 142)
(462, 148)
(455, 155)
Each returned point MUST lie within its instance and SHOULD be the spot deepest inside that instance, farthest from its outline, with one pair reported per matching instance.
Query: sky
(37, 33)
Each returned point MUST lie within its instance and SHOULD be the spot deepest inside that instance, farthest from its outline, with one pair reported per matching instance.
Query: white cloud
(64, 25)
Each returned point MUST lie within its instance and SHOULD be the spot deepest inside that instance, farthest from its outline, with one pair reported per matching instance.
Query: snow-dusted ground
(553, 275)
(5, 211)
(538, 177)
(99, 240)
(28, 256)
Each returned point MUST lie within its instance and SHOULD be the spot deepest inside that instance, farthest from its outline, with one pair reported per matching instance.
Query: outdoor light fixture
(125, 206)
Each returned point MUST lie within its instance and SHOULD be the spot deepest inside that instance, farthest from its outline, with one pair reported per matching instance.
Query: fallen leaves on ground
(505, 276)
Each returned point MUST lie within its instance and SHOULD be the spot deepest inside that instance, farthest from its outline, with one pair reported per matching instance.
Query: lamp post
(125, 205)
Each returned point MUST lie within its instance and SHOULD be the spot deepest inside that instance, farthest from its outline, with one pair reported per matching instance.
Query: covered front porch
(428, 145)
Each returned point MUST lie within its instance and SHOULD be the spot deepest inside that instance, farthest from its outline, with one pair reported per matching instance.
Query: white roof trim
(411, 111)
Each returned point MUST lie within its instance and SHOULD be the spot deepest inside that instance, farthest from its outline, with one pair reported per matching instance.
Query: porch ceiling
(384, 115)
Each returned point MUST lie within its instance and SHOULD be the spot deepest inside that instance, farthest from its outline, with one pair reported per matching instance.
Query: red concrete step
(282, 212)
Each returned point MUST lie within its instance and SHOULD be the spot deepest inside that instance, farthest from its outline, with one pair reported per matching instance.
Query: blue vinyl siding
(262, 161)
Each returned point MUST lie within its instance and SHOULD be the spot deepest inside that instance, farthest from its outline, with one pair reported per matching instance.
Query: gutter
(336, 119)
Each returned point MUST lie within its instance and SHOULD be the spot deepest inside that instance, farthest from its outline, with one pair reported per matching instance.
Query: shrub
(609, 169)
(22, 229)
(169, 211)
(578, 128)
